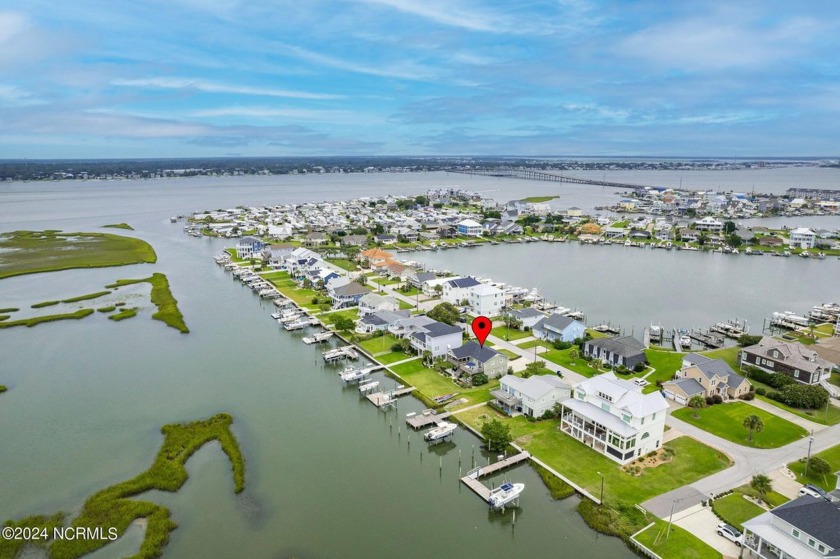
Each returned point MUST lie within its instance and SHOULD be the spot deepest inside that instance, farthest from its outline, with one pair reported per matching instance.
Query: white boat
(443, 430)
(504, 494)
(354, 375)
(368, 386)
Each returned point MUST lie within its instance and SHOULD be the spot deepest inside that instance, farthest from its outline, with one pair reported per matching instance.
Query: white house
(802, 237)
(470, 228)
(373, 302)
(532, 396)
(249, 247)
(614, 417)
(458, 289)
(486, 300)
(437, 338)
(529, 316)
(709, 224)
(805, 528)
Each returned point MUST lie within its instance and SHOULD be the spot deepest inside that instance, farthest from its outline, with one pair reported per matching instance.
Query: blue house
(557, 327)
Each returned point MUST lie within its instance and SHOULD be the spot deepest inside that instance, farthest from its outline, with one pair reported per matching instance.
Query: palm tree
(762, 484)
(696, 402)
(754, 424)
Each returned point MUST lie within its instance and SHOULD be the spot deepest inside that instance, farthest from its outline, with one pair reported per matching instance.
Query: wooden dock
(479, 488)
(382, 399)
(425, 420)
(471, 480)
(706, 338)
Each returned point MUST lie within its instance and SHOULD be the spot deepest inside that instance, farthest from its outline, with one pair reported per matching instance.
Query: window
(605, 407)
(811, 542)
(643, 421)
(625, 418)
(653, 417)
(821, 547)
(795, 533)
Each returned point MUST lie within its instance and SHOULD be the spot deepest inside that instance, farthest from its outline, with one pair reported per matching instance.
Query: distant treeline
(80, 169)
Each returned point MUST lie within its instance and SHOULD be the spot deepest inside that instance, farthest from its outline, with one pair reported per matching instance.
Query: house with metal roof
(612, 416)
(556, 327)
(531, 396)
(473, 359)
(805, 528)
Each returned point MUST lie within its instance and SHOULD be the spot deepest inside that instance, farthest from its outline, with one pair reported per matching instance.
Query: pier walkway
(471, 480)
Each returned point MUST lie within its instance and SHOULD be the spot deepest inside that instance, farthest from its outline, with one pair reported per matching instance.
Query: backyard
(286, 285)
(727, 422)
(431, 384)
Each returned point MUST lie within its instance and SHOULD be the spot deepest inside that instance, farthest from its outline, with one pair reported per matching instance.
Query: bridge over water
(530, 174)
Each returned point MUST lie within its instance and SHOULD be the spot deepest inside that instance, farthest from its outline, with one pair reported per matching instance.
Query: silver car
(731, 533)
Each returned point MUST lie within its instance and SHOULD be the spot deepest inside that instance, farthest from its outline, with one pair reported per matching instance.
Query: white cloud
(406, 70)
(312, 115)
(215, 87)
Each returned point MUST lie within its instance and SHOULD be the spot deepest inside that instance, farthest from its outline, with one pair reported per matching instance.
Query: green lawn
(512, 334)
(692, 459)
(410, 292)
(735, 509)
(679, 543)
(288, 288)
(594, 334)
(728, 354)
(511, 355)
(404, 306)
(539, 199)
(561, 357)
(381, 344)
(532, 343)
(332, 317)
(666, 364)
(726, 421)
(829, 415)
(430, 383)
(835, 379)
(392, 357)
(832, 456)
(343, 263)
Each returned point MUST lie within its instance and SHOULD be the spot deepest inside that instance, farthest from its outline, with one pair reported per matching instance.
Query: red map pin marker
(481, 327)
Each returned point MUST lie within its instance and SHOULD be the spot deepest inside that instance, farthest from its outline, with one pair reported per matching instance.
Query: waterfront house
(280, 231)
(379, 321)
(612, 416)
(437, 338)
(406, 326)
(275, 255)
(616, 351)
(346, 295)
(417, 278)
(805, 528)
(300, 261)
(457, 290)
(770, 241)
(469, 228)
(249, 247)
(473, 359)
(385, 239)
(373, 302)
(528, 316)
(485, 300)
(792, 359)
(803, 238)
(709, 224)
(556, 327)
(320, 275)
(688, 236)
(316, 238)
(707, 377)
(532, 396)
(392, 269)
(374, 256)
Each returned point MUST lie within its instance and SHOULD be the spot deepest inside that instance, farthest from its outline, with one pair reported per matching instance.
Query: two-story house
(528, 316)
(469, 228)
(531, 396)
(373, 302)
(805, 528)
(457, 290)
(709, 224)
(617, 351)
(614, 417)
(473, 359)
(486, 300)
(249, 247)
(556, 327)
(792, 359)
(706, 377)
(345, 295)
(437, 338)
(379, 321)
(802, 237)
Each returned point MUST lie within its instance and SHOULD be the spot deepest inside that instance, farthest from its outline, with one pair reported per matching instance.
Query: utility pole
(808, 460)
(602, 487)
(670, 518)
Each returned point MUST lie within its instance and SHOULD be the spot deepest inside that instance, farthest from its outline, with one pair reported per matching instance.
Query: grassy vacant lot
(679, 544)
(343, 263)
(379, 345)
(692, 459)
(728, 354)
(30, 252)
(832, 456)
(726, 421)
(430, 383)
(512, 333)
(561, 357)
(287, 286)
(162, 298)
(115, 507)
(666, 364)
(734, 509)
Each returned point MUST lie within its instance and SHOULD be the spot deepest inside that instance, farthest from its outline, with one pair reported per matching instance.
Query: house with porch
(528, 316)
(486, 300)
(437, 338)
(792, 359)
(457, 290)
(473, 359)
(374, 256)
(346, 295)
(706, 377)
(373, 302)
(617, 351)
(612, 416)
(556, 327)
(805, 528)
(249, 247)
(315, 239)
(469, 228)
(379, 321)
(532, 396)
(802, 237)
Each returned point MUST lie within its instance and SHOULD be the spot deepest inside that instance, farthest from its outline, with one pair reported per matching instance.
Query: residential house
(709, 224)
(347, 295)
(792, 359)
(614, 417)
(320, 275)
(249, 247)
(805, 528)
(379, 321)
(373, 302)
(458, 289)
(707, 377)
(802, 237)
(556, 327)
(374, 256)
(300, 261)
(316, 238)
(437, 338)
(416, 278)
(688, 235)
(473, 359)
(618, 350)
(528, 316)
(574, 212)
(393, 269)
(429, 286)
(280, 231)
(385, 239)
(532, 396)
(354, 241)
(407, 326)
(275, 255)
(469, 228)
(486, 300)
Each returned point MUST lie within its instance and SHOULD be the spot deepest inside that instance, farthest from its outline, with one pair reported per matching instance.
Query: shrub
(639, 367)
(560, 344)
(747, 340)
(802, 396)
(621, 369)
(479, 379)
(761, 391)
(709, 401)
(747, 397)
(717, 399)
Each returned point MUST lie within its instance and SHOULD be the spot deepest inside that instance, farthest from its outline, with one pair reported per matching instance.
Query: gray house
(805, 528)
(619, 350)
(379, 321)
(555, 327)
(472, 359)
(531, 396)
(528, 316)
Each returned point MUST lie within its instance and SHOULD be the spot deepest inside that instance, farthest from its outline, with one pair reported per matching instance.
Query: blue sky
(171, 78)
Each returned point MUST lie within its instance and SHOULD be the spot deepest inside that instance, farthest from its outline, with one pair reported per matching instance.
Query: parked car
(814, 491)
(640, 382)
(731, 533)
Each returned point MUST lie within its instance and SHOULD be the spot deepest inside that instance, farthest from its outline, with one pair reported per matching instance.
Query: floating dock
(383, 399)
(706, 338)
(471, 480)
(339, 353)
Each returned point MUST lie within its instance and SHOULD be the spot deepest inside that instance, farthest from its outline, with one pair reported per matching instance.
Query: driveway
(702, 522)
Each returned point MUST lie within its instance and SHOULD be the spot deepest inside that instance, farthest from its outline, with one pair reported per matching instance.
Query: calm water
(328, 475)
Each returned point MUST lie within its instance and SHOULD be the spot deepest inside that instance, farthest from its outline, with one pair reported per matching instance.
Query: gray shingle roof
(436, 329)
(720, 368)
(621, 345)
(474, 350)
(352, 288)
(688, 385)
(527, 312)
(556, 321)
(813, 516)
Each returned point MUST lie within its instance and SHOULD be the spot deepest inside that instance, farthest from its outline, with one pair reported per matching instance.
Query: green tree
(479, 379)
(746, 340)
(761, 484)
(754, 424)
(438, 290)
(421, 201)
(695, 403)
(496, 434)
(818, 466)
(343, 323)
(533, 368)
(734, 240)
(427, 357)
(729, 227)
(446, 313)
(573, 355)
